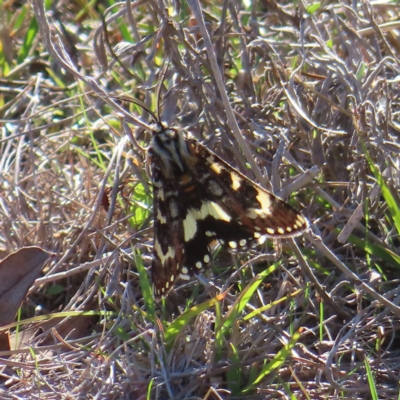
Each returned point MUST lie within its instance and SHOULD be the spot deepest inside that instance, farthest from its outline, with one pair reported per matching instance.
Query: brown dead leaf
(18, 271)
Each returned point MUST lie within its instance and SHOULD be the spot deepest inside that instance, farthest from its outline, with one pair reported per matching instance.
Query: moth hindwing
(198, 197)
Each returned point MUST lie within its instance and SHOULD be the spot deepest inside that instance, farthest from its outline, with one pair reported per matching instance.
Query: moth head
(157, 127)
(171, 147)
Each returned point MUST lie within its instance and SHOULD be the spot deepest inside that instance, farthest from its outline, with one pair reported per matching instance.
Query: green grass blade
(145, 285)
(180, 322)
(149, 388)
(277, 361)
(234, 373)
(260, 310)
(371, 380)
(244, 298)
(29, 39)
(387, 194)
(376, 250)
(62, 314)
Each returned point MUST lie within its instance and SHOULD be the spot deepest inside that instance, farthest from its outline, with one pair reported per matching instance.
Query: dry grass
(315, 92)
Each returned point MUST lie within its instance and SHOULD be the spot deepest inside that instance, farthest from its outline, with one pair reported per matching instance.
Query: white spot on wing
(184, 273)
(215, 210)
(210, 159)
(264, 199)
(216, 167)
(161, 217)
(163, 257)
(160, 194)
(206, 259)
(236, 181)
(262, 239)
(199, 265)
(184, 270)
(189, 226)
(232, 244)
(208, 208)
(252, 213)
(301, 220)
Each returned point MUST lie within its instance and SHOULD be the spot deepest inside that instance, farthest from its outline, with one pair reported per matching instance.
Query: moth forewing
(168, 252)
(244, 200)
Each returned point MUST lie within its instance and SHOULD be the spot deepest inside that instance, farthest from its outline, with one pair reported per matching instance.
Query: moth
(200, 198)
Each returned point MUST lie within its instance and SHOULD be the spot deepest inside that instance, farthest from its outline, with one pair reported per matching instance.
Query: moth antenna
(139, 103)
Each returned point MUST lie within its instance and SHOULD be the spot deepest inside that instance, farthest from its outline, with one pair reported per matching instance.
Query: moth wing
(181, 248)
(251, 211)
(168, 254)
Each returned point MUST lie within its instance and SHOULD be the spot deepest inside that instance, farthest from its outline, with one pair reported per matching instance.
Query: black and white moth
(198, 198)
